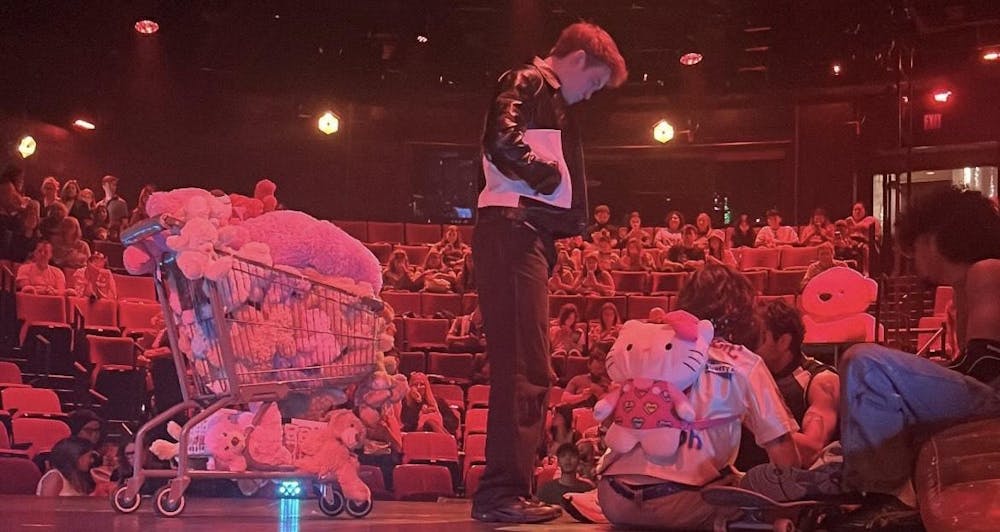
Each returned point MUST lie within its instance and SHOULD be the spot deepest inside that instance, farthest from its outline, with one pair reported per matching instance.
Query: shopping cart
(254, 335)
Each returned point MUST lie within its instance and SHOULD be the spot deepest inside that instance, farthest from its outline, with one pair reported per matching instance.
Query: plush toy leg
(351, 484)
(660, 443)
(621, 439)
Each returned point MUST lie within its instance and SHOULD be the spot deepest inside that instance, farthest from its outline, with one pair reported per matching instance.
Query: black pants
(512, 269)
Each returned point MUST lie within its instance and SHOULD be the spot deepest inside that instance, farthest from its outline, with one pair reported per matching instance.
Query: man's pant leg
(891, 399)
(512, 275)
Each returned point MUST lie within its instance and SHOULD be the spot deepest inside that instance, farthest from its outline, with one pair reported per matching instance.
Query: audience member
(69, 249)
(669, 236)
(604, 332)
(606, 256)
(862, 226)
(94, 280)
(811, 389)
(117, 207)
(563, 275)
(569, 480)
(824, 261)
(70, 197)
(717, 253)
(139, 212)
(636, 492)
(592, 279)
(466, 333)
(38, 276)
(87, 197)
(819, 230)
(97, 228)
(582, 391)
(451, 247)
(466, 283)
(51, 226)
(744, 234)
(72, 459)
(50, 192)
(399, 274)
(703, 228)
(565, 337)
(421, 412)
(685, 256)
(602, 224)
(435, 277)
(25, 234)
(634, 258)
(85, 423)
(635, 230)
(774, 234)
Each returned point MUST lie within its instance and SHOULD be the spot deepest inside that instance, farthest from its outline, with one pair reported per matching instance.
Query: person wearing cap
(602, 224)
(774, 234)
(94, 280)
(116, 205)
(717, 252)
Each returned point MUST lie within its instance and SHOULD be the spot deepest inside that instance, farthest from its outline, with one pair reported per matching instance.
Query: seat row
(399, 232)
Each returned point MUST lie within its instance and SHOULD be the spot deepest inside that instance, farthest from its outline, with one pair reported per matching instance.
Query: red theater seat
(40, 433)
(425, 333)
(784, 282)
(357, 229)
(583, 419)
(793, 257)
(41, 311)
(20, 477)
(429, 447)
(410, 361)
(470, 301)
(472, 478)
(452, 393)
(381, 250)
(556, 302)
(422, 482)
(134, 287)
(479, 396)
(32, 402)
(422, 233)
(99, 314)
(663, 283)
(390, 232)
(431, 304)
(10, 374)
(475, 421)
(402, 302)
(627, 283)
(639, 306)
(415, 254)
(372, 477)
(766, 258)
(455, 367)
(758, 279)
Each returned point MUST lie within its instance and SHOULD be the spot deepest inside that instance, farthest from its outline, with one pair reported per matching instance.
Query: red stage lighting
(691, 58)
(836, 69)
(942, 96)
(83, 124)
(146, 27)
(991, 56)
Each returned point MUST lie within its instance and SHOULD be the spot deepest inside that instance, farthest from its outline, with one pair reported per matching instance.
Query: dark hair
(725, 297)
(612, 306)
(64, 457)
(689, 228)
(780, 318)
(772, 212)
(567, 449)
(964, 223)
(821, 212)
(565, 311)
(80, 417)
(597, 44)
(680, 216)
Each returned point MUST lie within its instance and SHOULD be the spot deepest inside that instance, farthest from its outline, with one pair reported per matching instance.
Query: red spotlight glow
(691, 58)
(83, 124)
(146, 27)
(836, 69)
(991, 55)
(942, 96)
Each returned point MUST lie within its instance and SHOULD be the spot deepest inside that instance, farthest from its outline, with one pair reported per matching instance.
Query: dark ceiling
(63, 57)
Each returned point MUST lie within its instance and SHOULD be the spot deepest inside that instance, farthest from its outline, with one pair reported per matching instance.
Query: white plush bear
(651, 364)
(835, 305)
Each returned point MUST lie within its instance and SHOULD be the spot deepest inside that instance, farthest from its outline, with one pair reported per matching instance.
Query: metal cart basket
(254, 334)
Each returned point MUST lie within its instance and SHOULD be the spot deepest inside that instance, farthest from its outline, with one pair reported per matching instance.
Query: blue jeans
(890, 402)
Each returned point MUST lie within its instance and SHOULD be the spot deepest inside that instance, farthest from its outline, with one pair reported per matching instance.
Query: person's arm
(60, 281)
(768, 417)
(820, 420)
(50, 486)
(80, 282)
(764, 238)
(23, 279)
(605, 284)
(807, 233)
(980, 357)
(112, 286)
(782, 452)
(506, 123)
(575, 392)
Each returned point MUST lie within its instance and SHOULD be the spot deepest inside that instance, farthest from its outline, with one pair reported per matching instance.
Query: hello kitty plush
(651, 364)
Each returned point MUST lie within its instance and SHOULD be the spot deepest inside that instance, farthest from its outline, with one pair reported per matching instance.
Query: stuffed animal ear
(706, 331)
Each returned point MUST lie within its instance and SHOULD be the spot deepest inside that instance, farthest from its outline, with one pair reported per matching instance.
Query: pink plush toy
(835, 305)
(329, 454)
(376, 392)
(299, 240)
(264, 192)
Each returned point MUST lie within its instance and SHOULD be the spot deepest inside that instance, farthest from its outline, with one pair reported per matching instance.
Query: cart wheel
(334, 507)
(121, 503)
(783, 525)
(163, 504)
(359, 509)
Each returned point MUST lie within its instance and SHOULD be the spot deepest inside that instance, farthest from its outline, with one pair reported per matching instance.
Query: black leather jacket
(528, 97)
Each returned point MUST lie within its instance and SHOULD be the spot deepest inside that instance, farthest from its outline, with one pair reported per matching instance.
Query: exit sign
(932, 121)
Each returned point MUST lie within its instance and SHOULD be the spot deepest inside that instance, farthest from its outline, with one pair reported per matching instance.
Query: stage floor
(28, 513)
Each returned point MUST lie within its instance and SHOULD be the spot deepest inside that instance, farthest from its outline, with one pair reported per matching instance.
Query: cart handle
(148, 228)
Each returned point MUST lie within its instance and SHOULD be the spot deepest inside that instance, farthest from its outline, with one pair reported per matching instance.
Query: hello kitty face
(675, 351)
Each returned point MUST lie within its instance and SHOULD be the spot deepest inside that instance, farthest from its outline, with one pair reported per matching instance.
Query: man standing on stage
(535, 193)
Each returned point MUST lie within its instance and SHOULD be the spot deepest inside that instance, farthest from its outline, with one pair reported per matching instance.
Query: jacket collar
(547, 73)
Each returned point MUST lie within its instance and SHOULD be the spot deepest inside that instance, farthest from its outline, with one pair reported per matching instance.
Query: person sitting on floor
(72, 459)
(569, 480)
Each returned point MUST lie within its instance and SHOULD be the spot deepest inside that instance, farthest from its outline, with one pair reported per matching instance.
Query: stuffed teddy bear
(651, 364)
(265, 447)
(376, 392)
(226, 442)
(834, 305)
(329, 455)
(167, 450)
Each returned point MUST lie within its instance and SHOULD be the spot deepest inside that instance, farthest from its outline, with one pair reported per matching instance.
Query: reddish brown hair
(597, 44)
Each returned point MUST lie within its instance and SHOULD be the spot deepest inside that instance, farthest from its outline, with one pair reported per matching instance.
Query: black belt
(649, 492)
(516, 214)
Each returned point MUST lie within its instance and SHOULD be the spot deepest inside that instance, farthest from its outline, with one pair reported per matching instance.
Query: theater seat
(479, 396)
(402, 302)
(472, 478)
(429, 447)
(20, 477)
(421, 482)
(131, 287)
(40, 433)
(454, 367)
(957, 478)
(639, 306)
(425, 333)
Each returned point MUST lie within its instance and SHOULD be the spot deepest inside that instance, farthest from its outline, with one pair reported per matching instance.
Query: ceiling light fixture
(83, 124)
(329, 123)
(691, 58)
(147, 27)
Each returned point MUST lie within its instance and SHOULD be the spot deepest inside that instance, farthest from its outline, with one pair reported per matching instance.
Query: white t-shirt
(67, 489)
(29, 274)
(667, 238)
(502, 191)
(768, 238)
(735, 383)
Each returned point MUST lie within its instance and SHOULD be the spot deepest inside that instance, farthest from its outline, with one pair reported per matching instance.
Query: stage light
(27, 146)
(422, 39)
(289, 488)
(83, 124)
(691, 58)
(836, 69)
(991, 55)
(942, 96)
(147, 27)
(329, 123)
(663, 132)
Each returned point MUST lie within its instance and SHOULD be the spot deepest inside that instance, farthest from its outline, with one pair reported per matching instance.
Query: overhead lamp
(991, 56)
(422, 39)
(691, 59)
(27, 146)
(80, 123)
(147, 27)
(329, 123)
(663, 132)
(942, 95)
(837, 69)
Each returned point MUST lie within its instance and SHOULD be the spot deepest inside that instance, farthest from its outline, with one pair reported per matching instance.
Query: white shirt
(28, 274)
(768, 238)
(668, 238)
(502, 191)
(735, 383)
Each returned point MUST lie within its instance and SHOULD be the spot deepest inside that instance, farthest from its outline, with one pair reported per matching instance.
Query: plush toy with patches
(329, 454)
(265, 448)
(835, 305)
(651, 366)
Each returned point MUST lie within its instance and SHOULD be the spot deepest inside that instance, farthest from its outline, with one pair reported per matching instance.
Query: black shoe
(518, 511)
(878, 512)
